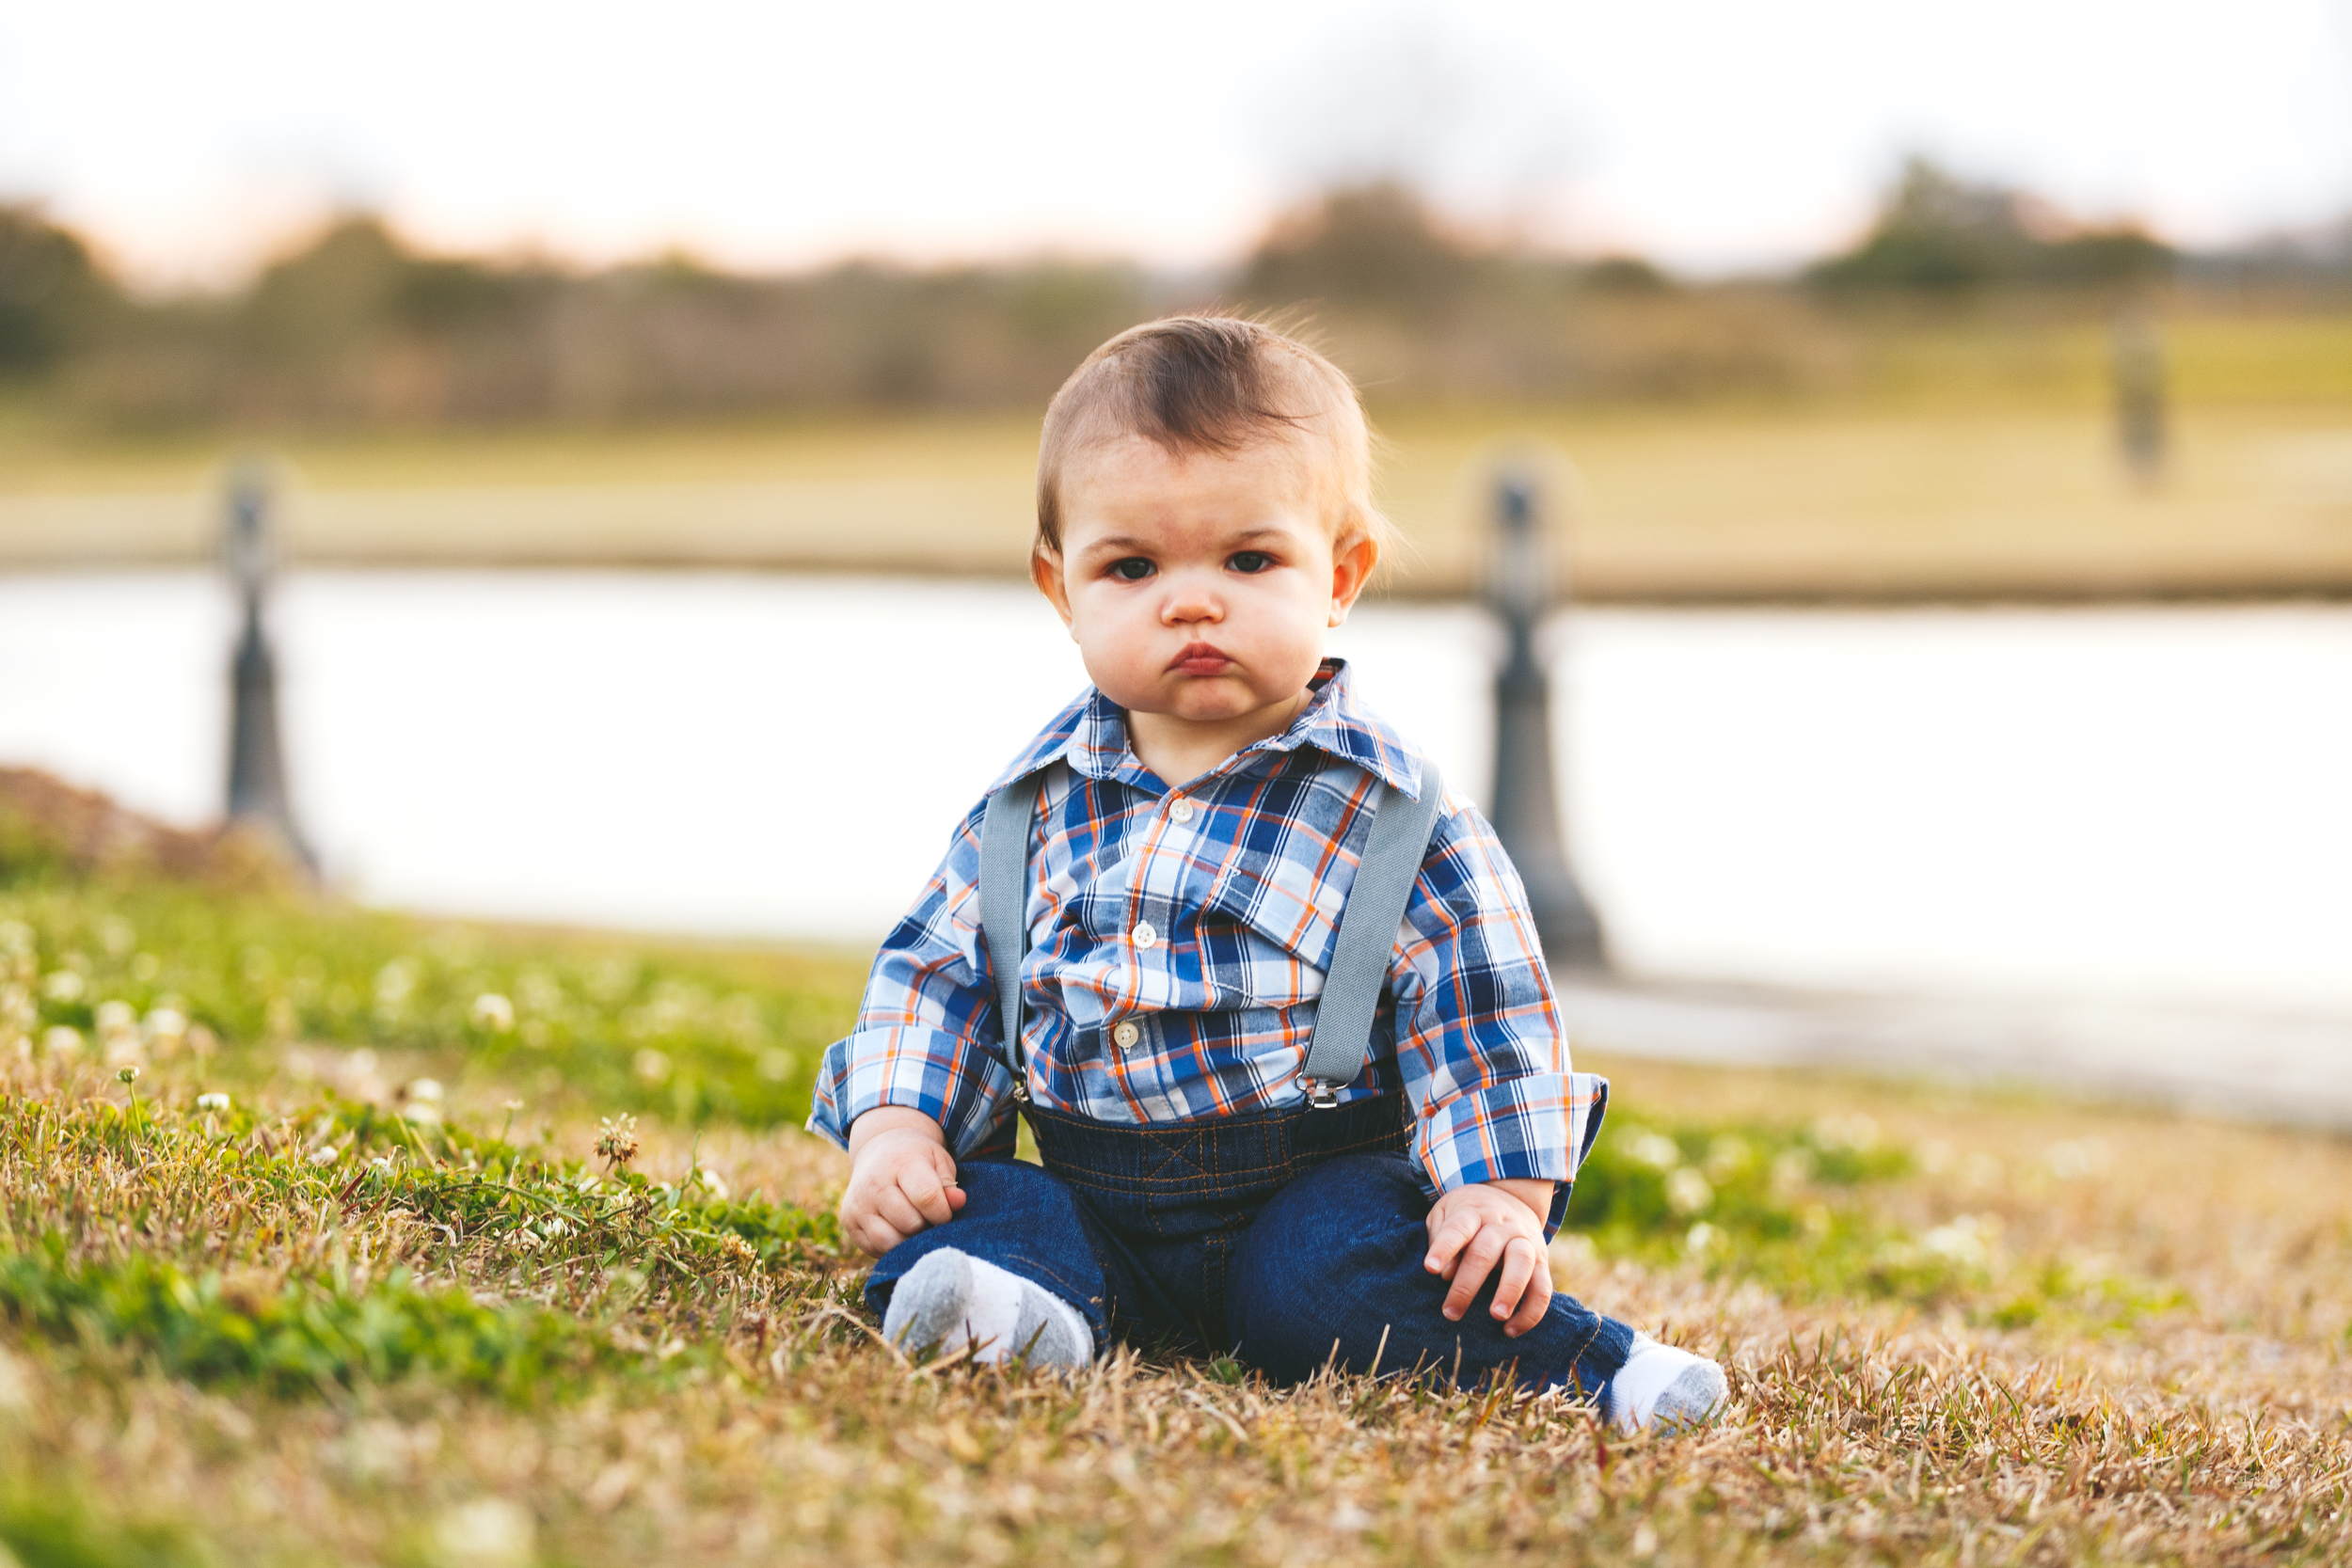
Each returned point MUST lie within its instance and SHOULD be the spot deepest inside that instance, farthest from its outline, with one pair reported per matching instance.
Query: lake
(2151, 803)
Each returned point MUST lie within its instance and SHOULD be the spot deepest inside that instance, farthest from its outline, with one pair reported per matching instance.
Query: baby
(1269, 997)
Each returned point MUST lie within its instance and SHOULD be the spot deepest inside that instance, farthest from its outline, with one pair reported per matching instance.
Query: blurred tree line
(356, 325)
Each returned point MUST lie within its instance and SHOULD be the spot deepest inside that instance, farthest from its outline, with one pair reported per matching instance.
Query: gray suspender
(1392, 863)
(1004, 908)
(1359, 958)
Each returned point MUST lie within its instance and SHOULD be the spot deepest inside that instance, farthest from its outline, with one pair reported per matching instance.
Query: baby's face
(1200, 587)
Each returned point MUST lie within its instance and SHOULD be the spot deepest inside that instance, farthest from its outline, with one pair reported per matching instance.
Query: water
(2146, 803)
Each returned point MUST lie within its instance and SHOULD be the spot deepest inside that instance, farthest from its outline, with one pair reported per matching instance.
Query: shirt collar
(1092, 736)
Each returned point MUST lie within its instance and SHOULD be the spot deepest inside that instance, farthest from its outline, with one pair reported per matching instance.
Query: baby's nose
(1184, 605)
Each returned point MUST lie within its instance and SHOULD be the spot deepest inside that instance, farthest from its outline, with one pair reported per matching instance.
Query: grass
(1970, 458)
(289, 1277)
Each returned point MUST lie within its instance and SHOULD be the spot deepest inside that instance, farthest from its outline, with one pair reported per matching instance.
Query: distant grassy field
(1981, 464)
(324, 1236)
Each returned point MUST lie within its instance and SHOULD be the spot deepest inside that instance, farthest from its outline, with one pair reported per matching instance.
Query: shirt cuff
(1538, 1128)
(956, 1084)
(1514, 1130)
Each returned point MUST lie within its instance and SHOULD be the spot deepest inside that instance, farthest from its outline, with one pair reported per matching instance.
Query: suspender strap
(1359, 958)
(1004, 908)
(1392, 863)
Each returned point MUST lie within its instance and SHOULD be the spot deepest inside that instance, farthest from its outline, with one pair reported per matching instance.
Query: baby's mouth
(1199, 658)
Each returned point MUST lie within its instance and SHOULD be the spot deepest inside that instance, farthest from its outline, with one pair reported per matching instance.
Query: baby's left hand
(1474, 1228)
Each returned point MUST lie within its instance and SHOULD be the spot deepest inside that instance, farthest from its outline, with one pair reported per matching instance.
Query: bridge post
(1526, 793)
(258, 797)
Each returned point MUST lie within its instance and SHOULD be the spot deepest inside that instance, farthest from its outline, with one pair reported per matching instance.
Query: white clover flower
(16, 939)
(1700, 1237)
(651, 1067)
(117, 1017)
(167, 1024)
(616, 1139)
(63, 985)
(1967, 1240)
(1729, 1155)
(1688, 1192)
(396, 982)
(61, 1041)
(1656, 1149)
(711, 1181)
(327, 1155)
(1792, 1169)
(488, 1532)
(214, 1101)
(426, 1089)
(493, 1012)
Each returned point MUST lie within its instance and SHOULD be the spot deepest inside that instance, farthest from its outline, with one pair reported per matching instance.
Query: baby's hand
(1474, 1228)
(902, 1180)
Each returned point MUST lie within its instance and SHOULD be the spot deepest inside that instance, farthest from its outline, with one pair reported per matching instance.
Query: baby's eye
(1250, 561)
(1134, 569)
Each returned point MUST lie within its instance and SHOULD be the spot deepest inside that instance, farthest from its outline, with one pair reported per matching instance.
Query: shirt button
(1126, 1035)
(1145, 935)
(1181, 812)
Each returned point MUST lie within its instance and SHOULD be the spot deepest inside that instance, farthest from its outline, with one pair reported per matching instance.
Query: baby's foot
(950, 1300)
(1661, 1384)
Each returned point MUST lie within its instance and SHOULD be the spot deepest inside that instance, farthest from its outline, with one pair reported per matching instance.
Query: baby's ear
(1353, 561)
(1045, 570)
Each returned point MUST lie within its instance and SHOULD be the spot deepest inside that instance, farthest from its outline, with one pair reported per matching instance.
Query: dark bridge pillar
(257, 762)
(1526, 796)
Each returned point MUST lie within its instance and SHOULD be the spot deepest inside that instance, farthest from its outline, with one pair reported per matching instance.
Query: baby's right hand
(903, 1181)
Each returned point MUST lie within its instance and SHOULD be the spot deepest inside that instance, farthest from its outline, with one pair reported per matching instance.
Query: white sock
(1660, 1382)
(951, 1300)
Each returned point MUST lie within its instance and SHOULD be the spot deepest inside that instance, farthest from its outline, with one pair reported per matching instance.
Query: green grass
(692, 1034)
(406, 1299)
(144, 1230)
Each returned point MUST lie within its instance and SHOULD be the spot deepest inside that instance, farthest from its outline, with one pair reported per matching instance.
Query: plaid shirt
(1178, 945)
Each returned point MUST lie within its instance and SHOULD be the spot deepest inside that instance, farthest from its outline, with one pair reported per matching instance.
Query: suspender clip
(1322, 1093)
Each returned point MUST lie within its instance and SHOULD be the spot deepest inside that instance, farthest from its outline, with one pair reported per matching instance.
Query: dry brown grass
(2218, 1428)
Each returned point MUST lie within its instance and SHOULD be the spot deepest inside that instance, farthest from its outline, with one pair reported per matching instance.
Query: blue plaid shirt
(1178, 941)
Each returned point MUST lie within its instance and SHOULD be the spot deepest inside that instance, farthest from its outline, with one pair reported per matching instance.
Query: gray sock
(950, 1301)
(1662, 1385)
(1692, 1396)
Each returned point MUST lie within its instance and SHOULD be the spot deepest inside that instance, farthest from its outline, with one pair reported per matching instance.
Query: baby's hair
(1212, 384)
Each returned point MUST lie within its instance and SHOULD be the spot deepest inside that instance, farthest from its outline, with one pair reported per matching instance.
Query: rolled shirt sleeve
(1479, 1037)
(927, 1036)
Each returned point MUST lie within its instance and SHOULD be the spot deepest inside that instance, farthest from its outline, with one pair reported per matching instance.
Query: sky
(1717, 136)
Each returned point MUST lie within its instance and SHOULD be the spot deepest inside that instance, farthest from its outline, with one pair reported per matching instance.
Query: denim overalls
(1290, 1238)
